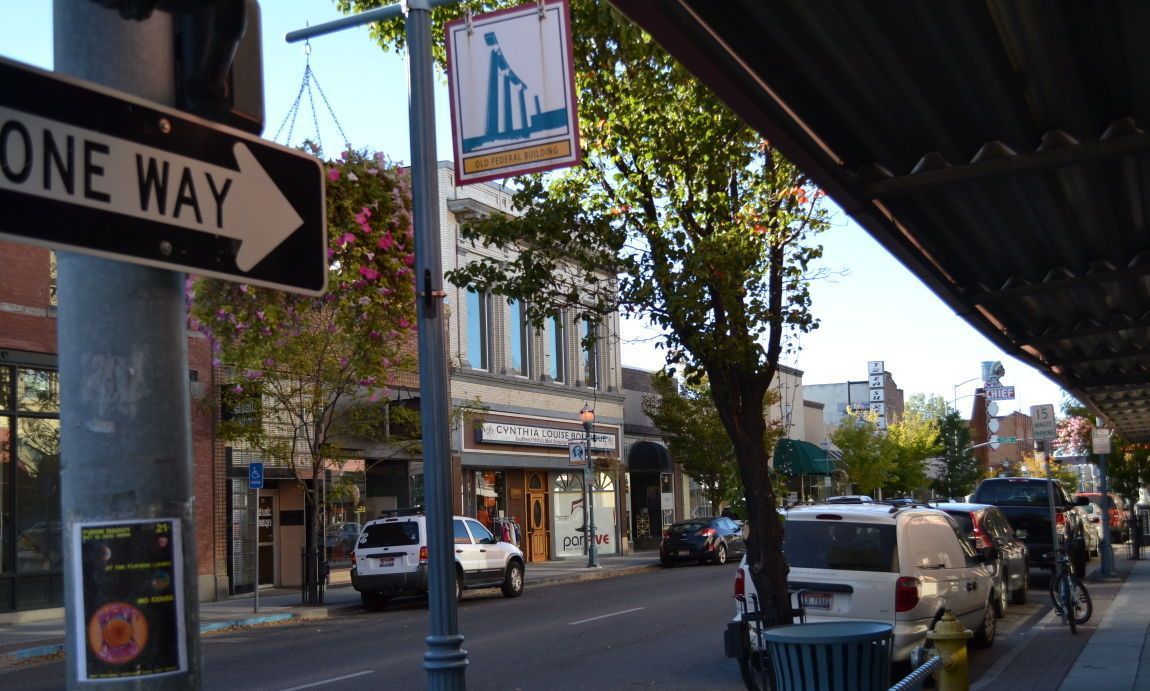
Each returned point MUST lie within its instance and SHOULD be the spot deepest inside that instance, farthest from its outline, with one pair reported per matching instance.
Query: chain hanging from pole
(305, 87)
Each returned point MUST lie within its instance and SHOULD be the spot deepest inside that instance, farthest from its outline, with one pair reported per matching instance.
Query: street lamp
(587, 415)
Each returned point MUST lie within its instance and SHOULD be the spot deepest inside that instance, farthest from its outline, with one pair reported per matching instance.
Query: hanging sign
(511, 84)
(96, 171)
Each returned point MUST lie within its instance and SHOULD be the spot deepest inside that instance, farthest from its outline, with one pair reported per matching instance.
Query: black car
(716, 539)
(989, 532)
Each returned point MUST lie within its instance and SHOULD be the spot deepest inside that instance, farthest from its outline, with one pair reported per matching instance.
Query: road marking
(330, 681)
(584, 621)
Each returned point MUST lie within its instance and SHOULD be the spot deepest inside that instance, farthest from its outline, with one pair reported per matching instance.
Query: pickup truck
(1026, 503)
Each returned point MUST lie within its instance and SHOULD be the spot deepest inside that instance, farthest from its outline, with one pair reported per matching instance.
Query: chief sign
(94, 171)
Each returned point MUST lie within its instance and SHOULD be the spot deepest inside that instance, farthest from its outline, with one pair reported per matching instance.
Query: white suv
(873, 562)
(390, 558)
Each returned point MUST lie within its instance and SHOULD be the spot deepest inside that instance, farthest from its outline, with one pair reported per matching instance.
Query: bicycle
(1069, 595)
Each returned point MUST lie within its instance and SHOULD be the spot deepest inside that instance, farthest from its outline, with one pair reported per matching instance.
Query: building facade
(31, 554)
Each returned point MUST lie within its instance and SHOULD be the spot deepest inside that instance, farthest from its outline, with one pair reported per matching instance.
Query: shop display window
(490, 496)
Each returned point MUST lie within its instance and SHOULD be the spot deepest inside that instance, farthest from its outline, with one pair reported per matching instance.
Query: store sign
(510, 433)
(511, 86)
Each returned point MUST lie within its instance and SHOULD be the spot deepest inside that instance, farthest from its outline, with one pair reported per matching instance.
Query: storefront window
(5, 470)
(38, 391)
(490, 496)
(38, 541)
(567, 503)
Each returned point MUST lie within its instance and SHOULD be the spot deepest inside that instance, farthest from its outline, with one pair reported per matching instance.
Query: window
(556, 348)
(520, 341)
(590, 353)
(479, 330)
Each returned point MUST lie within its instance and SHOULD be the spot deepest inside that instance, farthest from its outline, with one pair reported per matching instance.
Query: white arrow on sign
(53, 160)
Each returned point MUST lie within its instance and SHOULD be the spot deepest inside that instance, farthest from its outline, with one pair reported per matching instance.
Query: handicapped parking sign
(255, 476)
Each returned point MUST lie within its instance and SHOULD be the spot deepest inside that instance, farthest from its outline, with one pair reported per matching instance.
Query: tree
(960, 472)
(305, 374)
(680, 214)
(865, 461)
(931, 407)
(696, 438)
(910, 441)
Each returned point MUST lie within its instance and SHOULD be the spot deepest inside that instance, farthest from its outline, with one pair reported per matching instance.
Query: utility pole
(125, 422)
(445, 659)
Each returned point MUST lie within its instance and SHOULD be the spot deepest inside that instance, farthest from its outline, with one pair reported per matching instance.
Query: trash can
(831, 656)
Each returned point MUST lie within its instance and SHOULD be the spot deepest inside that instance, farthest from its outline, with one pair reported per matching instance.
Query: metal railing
(917, 678)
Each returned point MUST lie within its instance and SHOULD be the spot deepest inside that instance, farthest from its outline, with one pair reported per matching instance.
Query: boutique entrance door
(538, 535)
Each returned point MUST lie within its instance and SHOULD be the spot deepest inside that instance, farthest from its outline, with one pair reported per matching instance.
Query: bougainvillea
(1073, 436)
(319, 366)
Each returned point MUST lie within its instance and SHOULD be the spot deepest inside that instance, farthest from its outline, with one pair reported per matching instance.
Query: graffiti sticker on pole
(511, 83)
(130, 581)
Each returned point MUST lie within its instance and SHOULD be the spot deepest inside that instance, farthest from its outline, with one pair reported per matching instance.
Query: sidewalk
(33, 635)
(1108, 652)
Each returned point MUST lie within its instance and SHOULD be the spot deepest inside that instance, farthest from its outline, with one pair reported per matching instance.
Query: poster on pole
(511, 85)
(130, 587)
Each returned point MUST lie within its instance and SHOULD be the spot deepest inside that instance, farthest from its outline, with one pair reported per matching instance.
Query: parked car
(1119, 516)
(989, 532)
(390, 559)
(341, 540)
(1026, 503)
(850, 499)
(1091, 528)
(714, 538)
(873, 562)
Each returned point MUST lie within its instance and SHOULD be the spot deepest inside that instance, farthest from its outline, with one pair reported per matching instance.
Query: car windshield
(1013, 493)
(840, 545)
(689, 528)
(964, 520)
(390, 534)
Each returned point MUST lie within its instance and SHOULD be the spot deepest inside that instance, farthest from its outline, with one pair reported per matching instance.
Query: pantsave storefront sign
(511, 433)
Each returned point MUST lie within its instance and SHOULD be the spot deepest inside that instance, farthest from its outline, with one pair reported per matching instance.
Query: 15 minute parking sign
(92, 170)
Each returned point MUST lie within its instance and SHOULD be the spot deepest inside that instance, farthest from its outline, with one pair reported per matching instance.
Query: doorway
(538, 535)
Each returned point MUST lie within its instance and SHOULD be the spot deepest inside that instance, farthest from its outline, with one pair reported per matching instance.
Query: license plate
(386, 562)
(817, 600)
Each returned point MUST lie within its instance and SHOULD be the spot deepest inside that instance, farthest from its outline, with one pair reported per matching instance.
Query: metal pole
(1050, 502)
(1104, 488)
(256, 552)
(445, 660)
(125, 423)
(592, 548)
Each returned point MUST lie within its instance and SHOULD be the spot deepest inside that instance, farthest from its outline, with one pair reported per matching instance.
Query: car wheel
(721, 554)
(1018, 596)
(513, 581)
(667, 563)
(984, 637)
(1000, 596)
(372, 600)
(458, 585)
(1078, 559)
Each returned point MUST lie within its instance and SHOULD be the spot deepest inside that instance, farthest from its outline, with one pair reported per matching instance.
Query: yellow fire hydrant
(950, 640)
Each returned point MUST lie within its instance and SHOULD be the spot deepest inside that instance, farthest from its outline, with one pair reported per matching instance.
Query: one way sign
(92, 170)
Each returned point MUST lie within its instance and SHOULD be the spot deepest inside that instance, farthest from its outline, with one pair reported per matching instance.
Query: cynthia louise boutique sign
(510, 433)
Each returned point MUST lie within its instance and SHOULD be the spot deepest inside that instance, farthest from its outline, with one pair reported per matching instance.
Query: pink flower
(368, 273)
(237, 389)
(343, 361)
(333, 174)
(403, 324)
(363, 215)
(386, 241)
(346, 239)
(409, 259)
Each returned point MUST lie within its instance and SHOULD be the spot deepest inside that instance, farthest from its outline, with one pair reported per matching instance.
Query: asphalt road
(658, 629)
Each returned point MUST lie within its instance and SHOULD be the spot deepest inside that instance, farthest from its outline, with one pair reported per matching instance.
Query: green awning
(797, 457)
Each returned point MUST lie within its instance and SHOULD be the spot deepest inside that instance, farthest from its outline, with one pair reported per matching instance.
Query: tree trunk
(739, 398)
(312, 577)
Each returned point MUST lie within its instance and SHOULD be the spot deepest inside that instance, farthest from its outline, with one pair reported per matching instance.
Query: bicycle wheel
(1066, 597)
(1062, 598)
(1083, 607)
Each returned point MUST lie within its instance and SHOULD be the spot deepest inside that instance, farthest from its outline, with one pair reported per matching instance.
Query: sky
(869, 308)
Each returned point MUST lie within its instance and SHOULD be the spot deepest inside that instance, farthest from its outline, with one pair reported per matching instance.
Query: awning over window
(797, 457)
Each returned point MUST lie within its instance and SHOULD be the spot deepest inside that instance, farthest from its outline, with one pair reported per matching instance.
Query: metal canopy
(994, 148)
